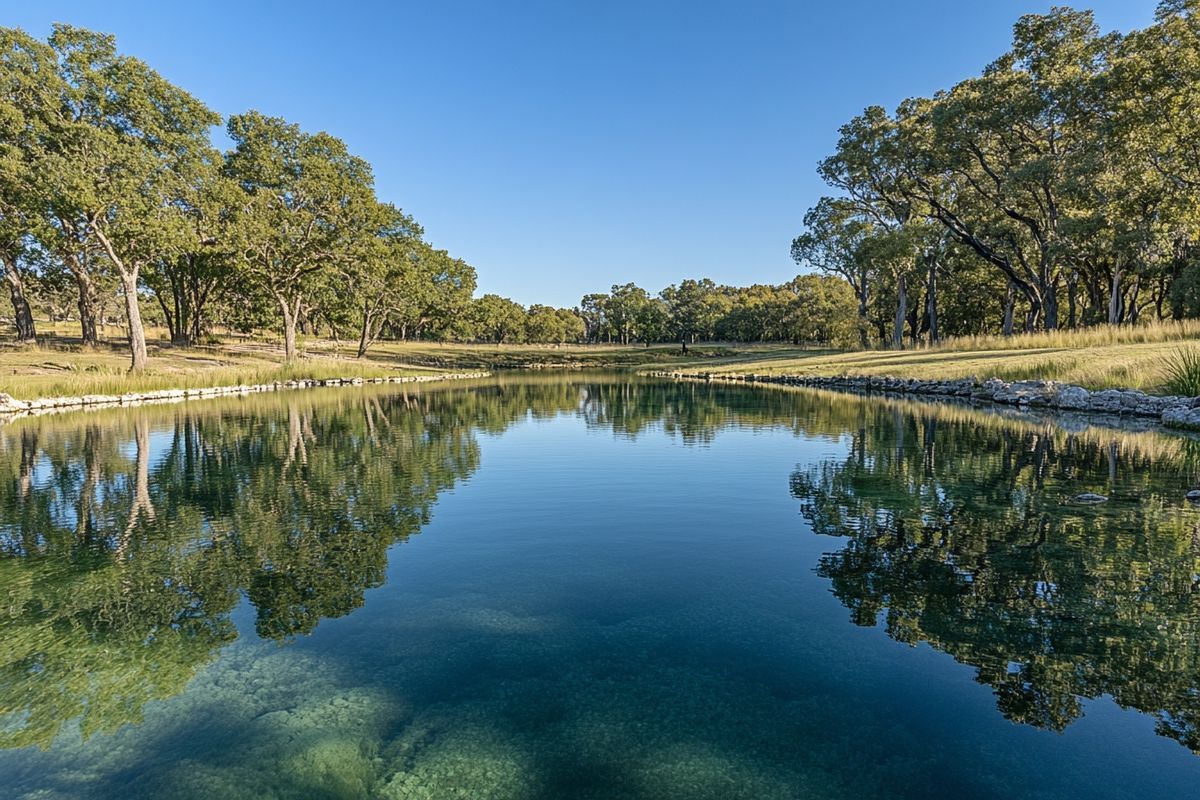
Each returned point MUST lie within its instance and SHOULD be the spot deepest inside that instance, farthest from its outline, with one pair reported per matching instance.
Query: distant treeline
(811, 309)
(116, 205)
(1059, 188)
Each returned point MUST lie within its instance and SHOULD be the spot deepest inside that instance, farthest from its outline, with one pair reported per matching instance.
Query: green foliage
(497, 319)
(823, 311)
(1055, 189)
(308, 206)
(1185, 292)
(809, 309)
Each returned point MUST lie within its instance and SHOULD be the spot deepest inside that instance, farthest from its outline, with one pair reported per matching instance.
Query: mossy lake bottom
(594, 586)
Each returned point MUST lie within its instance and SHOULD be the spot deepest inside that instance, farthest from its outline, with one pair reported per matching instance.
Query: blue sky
(560, 147)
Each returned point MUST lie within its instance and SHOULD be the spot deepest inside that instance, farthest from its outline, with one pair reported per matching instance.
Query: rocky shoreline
(11, 407)
(1180, 413)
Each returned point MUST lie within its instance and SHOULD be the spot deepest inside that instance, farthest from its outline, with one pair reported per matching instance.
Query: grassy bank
(60, 367)
(1097, 358)
(1128, 358)
(568, 356)
(54, 370)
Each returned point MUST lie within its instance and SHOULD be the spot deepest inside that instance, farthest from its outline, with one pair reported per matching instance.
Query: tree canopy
(1054, 189)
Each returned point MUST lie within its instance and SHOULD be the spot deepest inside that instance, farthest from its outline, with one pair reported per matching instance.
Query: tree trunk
(901, 312)
(1010, 302)
(22, 313)
(914, 321)
(169, 316)
(931, 301)
(363, 334)
(87, 311)
(1132, 307)
(863, 320)
(1049, 306)
(289, 328)
(1073, 300)
(197, 327)
(189, 294)
(1114, 298)
(181, 333)
(133, 316)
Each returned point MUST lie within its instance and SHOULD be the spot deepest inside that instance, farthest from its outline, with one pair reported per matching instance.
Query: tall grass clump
(1152, 332)
(1182, 372)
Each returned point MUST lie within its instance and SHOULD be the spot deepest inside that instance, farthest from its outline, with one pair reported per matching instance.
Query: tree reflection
(124, 546)
(966, 537)
(128, 538)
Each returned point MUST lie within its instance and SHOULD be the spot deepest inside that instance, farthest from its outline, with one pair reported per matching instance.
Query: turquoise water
(594, 587)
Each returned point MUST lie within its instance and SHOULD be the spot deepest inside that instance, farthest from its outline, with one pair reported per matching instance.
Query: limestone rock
(11, 405)
(1073, 397)
(1182, 418)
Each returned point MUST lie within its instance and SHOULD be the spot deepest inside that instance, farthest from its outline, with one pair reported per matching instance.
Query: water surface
(594, 587)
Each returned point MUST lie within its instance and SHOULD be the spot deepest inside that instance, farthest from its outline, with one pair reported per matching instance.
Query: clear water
(594, 587)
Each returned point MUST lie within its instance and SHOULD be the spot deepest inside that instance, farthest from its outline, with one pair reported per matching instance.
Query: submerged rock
(1090, 498)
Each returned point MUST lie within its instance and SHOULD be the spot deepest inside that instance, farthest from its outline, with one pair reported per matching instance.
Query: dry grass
(1095, 358)
(61, 367)
(1102, 336)
(544, 356)
(55, 370)
(1135, 358)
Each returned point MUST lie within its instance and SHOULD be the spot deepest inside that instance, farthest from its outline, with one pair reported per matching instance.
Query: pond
(594, 586)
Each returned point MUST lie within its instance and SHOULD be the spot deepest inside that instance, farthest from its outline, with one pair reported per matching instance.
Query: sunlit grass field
(60, 367)
(1100, 358)
(1097, 358)
(32, 372)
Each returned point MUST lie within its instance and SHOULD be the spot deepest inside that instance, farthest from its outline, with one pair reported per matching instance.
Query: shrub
(1182, 369)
